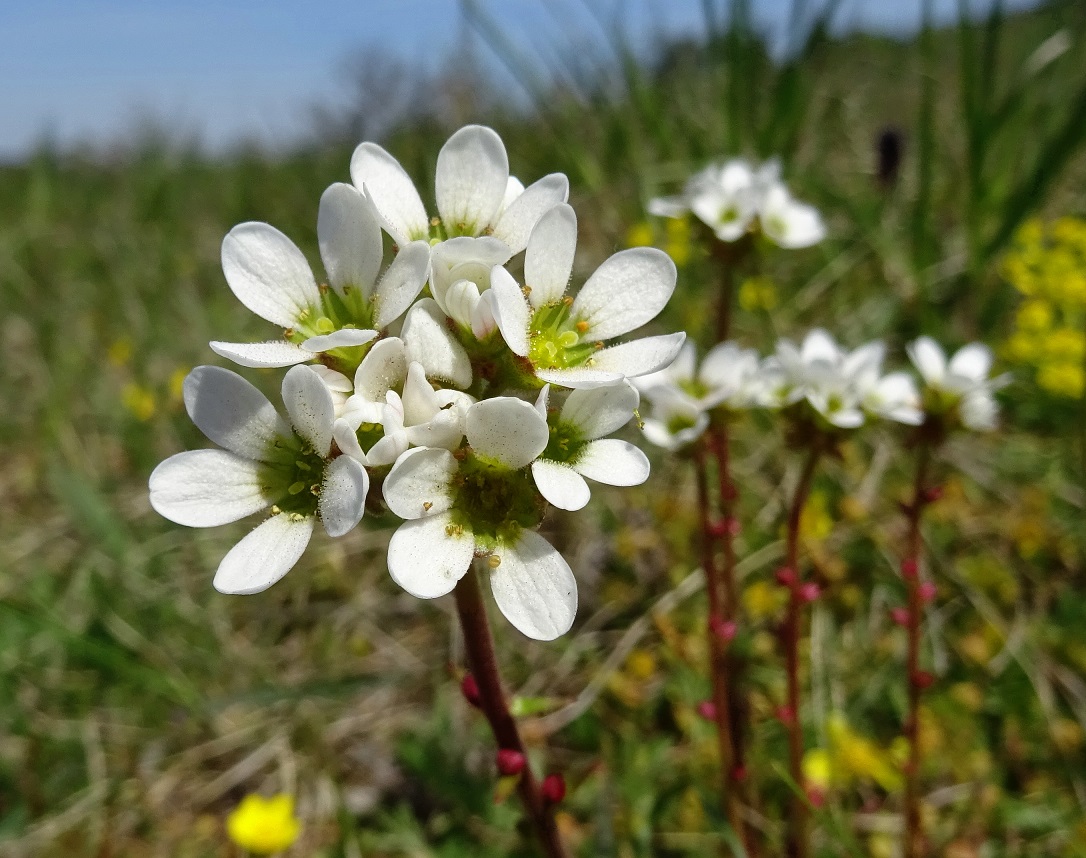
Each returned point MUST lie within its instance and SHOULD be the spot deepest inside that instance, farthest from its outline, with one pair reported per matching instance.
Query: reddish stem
(479, 645)
(718, 662)
(914, 511)
(797, 821)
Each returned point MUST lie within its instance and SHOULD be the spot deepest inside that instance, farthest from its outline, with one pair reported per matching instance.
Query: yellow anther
(325, 325)
(296, 488)
(582, 326)
(427, 505)
(493, 561)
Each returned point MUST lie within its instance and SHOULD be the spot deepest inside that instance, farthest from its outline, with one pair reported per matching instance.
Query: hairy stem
(797, 817)
(718, 662)
(911, 569)
(479, 645)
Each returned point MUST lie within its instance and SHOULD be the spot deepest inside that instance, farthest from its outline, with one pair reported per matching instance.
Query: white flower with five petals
(960, 386)
(265, 462)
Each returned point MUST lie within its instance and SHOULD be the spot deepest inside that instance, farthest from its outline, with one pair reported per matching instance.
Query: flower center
(695, 387)
(555, 338)
(334, 313)
(566, 443)
(292, 481)
(494, 502)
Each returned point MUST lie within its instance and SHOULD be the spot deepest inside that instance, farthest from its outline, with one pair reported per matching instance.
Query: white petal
(472, 174)
(465, 258)
(274, 353)
(268, 274)
(388, 187)
(460, 301)
(343, 338)
(389, 448)
(846, 418)
(560, 484)
(429, 341)
(513, 189)
(335, 381)
(310, 407)
(519, 218)
(233, 413)
(419, 400)
(614, 462)
(343, 495)
(639, 357)
(383, 368)
(483, 321)
(401, 283)
(928, 358)
(542, 399)
(668, 206)
(790, 223)
(580, 377)
(350, 239)
(347, 440)
(418, 484)
(445, 430)
(601, 411)
(511, 310)
(973, 362)
(506, 430)
(206, 488)
(265, 555)
(548, 260)
(429, 555)
(625, 292)
(534, 588)
(818, 345)
(979, 411)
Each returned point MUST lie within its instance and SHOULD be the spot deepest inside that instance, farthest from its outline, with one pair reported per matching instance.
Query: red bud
(786, 576)
(723, 629)
(900, 616)
(927, 590)
(932, 494)
(733, 525)
(809, 591)
(470, 689)
(922, 679)
(815, 796)
(510, 762)
(786, 715)
(718, 528)
(553, 788)
(707, 710)
(908, 568)
(739, 774)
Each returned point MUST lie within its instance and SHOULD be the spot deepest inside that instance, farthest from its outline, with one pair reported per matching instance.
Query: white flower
(732, 197)
(266, 462)
(960, 386)
(563, 338)
(577, 448)
(893, 396)
(820, 373)
(482, 501)
(271, 277)
(674, 420)
(729, 376)
(475, 193)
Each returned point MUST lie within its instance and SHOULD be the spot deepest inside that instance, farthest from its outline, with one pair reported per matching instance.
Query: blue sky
(91, 69)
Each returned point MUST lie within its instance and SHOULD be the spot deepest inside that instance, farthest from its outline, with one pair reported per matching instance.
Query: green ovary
(555, 339)
(566, 443)
(495, 503)
(336, 312)
(292, 482)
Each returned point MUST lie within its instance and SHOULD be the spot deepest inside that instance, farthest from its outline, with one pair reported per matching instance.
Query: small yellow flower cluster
(1047, 264)
(677, 238)
(264, 826)
(851, 757)
(757, 293)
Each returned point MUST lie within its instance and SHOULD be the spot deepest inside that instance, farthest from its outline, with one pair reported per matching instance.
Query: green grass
(137, 705)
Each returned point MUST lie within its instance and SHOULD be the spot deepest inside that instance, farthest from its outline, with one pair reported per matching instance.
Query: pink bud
(733, 526)
(908, 568)
(922, 679)
(785, 715)
(927, 590)
(470, 689)
(809, 591)
(718, 528)
(707, 710)
(932, 494)
(900, 616)
(510, 762)
(553, 788)
(723, 629)
(815, 796)
(786, 576)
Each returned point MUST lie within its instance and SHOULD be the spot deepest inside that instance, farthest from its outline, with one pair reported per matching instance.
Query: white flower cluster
(435, 372)
(823, 384)
(735, 197)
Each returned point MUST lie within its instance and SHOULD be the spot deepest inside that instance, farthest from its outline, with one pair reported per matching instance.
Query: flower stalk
(718, 657)
(798, 596)
(916, 679)
(479, 646)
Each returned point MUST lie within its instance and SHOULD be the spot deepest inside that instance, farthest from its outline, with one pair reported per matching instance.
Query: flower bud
(707, 710)
(909, 568)
(900, 616)
(553, 788)
(739, 774)
(510, 762)
(932, 494)
(922, 679)
(785, 715)
(723, 629)
(810, 591)
(927, 590)
(470, 689)
(718, 528)
(815, 796)
(786, 576)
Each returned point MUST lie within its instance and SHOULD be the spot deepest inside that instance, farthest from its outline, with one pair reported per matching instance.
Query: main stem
(718, 661)
(913, 833)
(797, 822)
(479, 645)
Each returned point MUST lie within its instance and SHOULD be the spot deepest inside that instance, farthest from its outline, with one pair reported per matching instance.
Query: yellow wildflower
(119, 352)
(763, 599)
(1062, 379)
(177, 383)
(139, 401)
(816, 522)
(264, 825)
(851, 757)
(1035, 316)
(757, 293)
(678, 240)
(640, 235)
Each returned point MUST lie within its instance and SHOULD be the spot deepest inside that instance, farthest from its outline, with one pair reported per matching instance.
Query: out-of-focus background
(943, 143)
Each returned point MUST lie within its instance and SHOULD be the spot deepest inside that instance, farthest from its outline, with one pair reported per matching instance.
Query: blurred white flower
(563, 338)
(577, 448)
(732, 197)
(959, 387)
(270, 276)
(266, 462)
(482, 501)
(475, 194)
(674, 420)
(729, 376)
